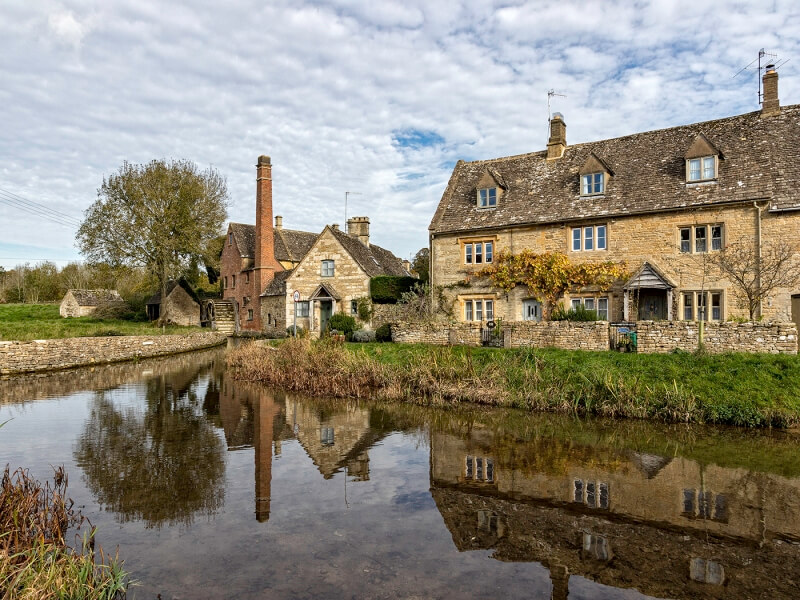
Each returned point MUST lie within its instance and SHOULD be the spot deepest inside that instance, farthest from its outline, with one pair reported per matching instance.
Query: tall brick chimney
(769, 104)
(265, 240)
(359, 227)
(558, 137)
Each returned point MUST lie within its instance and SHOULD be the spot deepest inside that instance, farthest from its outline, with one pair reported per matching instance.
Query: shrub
(364, 309)
(383, 333)
(389, 289)
(342, 323)
(579, 313)
(301, 333)
(363, 336)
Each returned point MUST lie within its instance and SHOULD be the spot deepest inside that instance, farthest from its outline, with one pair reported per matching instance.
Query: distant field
(42, 321)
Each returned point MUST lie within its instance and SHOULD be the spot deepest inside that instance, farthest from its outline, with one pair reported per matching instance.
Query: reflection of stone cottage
(181, 306)
(82, 303)
(665, 202)
(331, 270)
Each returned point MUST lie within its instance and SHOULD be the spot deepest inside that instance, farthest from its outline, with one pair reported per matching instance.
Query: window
(233, 281)
(249, 314)
(226, 282)
(487, 198)
(247, 277)
(593, 494)
(696, 238)
(476, 253)
(696, 305)
(702, 169)
(301, 309)
(702, 504)
(230, 238)
(327, 268)
(354, 307)
(599, 305)
(326, 436)
(478, 310)
(592, 183)
(479, 468)
(594, 237)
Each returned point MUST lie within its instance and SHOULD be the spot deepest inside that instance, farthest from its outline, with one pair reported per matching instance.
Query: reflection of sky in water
(348, 535)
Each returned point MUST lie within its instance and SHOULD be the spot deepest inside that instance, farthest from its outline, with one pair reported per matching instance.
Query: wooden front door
(652, 305)
(325, 312)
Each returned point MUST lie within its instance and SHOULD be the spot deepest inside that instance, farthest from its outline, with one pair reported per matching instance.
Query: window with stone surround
(249, 314)
(301, 309)
(479, 468)
(703, 168)
(478, 252)
(487, 197)
(354, 307)
(592, 184)
(327, 268)
(590, 237)
(597, 304)
(702, 304)
(594, 494)
(479, 309)
(697, 239)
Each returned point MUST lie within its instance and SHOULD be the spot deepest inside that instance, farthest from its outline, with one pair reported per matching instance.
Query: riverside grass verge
(25, 322)
(750, 390)
(36, 562)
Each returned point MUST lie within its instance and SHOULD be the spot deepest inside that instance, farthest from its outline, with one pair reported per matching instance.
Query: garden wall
(49, 355)
(665, 336)
(566, 335)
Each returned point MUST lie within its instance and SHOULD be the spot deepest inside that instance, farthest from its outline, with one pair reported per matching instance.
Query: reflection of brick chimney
(265, 241)
(770, 105)
(359, 227)
(558, 137)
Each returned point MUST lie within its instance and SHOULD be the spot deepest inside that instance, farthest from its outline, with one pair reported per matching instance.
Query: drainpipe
(758, 262)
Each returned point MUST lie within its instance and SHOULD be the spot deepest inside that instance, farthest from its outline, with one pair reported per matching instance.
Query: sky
(379, 99)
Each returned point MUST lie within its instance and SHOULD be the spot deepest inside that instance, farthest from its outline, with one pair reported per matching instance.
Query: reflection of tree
(162, 466)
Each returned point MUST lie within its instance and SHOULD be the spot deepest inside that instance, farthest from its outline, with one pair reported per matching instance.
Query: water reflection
(157, 463)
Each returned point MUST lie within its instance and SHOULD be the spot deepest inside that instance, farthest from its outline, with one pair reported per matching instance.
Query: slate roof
(760, 159)
(290, 245)
(373, 259)
(95, 297)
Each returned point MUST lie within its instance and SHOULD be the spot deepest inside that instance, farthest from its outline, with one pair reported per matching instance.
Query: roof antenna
(346, 194)
(769, 60)
(550, 94)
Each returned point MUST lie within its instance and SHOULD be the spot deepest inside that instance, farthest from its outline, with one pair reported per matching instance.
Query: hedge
(388, 289)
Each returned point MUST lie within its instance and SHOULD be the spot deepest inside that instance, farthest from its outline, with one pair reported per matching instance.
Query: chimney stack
(335, 227)
(770, 105)
(558, 137)
(278, 222)
(264, 264)
(359, 227)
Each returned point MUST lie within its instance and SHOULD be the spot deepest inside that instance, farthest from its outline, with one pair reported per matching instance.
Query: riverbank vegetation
(35, 559)
(737, 389)
(42, 321)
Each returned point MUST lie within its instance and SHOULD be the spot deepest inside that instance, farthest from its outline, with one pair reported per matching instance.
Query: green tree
(160, 216)
(421, 263)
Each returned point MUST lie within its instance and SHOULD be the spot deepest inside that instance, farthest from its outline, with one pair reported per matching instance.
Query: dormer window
(701, 169)
(592, 183)
(487, 197)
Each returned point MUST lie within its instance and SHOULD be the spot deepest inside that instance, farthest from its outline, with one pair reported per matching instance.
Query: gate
(622, 337)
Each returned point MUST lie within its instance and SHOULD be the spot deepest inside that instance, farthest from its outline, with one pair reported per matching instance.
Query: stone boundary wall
(421, 333)
(50, 355)
(655, 337)
(566, 335)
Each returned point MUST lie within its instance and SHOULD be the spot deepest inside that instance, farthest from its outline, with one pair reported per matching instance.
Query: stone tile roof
(95, 297)
(759, 159)
(373, 259)
(171, 285)
(277, 287)
(290, 245)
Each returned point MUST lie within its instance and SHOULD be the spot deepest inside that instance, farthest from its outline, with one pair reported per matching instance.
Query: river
(214, 488)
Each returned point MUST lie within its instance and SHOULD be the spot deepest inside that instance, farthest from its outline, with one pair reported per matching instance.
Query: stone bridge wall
(50, 355)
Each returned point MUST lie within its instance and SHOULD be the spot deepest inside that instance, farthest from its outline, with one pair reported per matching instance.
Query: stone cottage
(181, 307)
(664, 202)
(82, 303)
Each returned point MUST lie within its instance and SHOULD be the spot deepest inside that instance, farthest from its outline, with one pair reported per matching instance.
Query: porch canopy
(652, 292)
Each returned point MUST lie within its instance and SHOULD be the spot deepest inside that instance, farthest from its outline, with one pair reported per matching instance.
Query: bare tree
(755, 277)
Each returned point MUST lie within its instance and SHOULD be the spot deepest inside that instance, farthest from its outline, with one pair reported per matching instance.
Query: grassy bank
(35, 560)
(738, 389)
(42, 321)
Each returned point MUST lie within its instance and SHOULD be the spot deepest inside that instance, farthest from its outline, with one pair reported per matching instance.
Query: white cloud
(323, 87)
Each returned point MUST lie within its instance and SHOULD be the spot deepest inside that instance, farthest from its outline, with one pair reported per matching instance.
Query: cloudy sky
(378, 98)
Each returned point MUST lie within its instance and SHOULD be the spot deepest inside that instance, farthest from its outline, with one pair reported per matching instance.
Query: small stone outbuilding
(82, 303)
(182, 306)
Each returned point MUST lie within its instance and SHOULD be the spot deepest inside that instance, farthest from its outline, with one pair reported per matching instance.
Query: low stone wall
(664, 336)
(421, 333)
(566, 335)
(50, 355)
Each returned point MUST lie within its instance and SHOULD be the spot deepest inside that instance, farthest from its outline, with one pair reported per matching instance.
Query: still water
(213, 488)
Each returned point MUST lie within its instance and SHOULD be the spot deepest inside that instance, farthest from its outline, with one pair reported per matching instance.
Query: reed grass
(36, 563)
(744, 390)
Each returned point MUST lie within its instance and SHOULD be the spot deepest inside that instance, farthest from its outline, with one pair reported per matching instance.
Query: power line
(39, 213)
(20, 203)
(37, 204)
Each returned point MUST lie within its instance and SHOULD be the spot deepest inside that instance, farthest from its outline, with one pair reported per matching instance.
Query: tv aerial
(764, 61)
(550, 94)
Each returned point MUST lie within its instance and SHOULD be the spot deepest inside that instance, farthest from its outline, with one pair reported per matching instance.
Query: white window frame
(589, 235)
(487, 197)
(593, 184)
(301, 309)
(706, 168)
(327, 268)
(711, 243)
(477, 310)
(354, 307)
(595, 302)
(479, 248)
(693, 300)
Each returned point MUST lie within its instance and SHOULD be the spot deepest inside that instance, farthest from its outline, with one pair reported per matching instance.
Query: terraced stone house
(664, 202)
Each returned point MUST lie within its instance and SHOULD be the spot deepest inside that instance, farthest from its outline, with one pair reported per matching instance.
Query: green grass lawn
(42, 321)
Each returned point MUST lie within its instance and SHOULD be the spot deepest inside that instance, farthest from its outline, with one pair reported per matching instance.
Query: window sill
(701, 182)
(600, 195)
(486, 207)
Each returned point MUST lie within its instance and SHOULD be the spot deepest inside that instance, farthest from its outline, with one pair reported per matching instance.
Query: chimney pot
(278, 222)
(335, 227)
(263, 160)
(770, 105)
